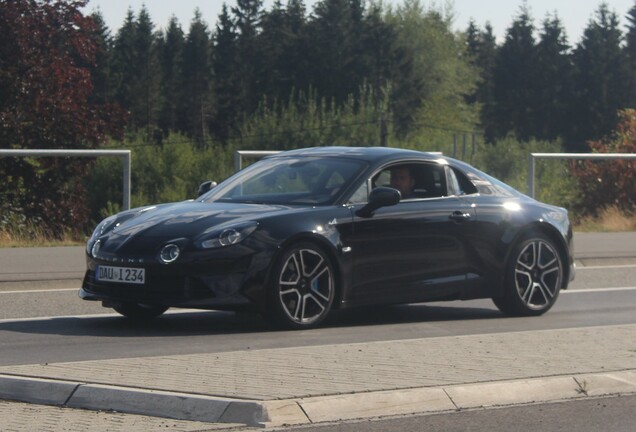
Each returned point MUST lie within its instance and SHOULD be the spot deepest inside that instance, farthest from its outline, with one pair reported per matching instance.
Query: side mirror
(380, 197)
(205, 187)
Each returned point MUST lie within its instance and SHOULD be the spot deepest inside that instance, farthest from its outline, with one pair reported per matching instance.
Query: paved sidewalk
(327, 383)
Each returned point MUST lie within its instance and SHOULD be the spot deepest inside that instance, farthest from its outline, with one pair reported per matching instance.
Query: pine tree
(630, 56)
(332, 49)
(281, 43)
(482, 47)
(554, 78)
(226, 81)
(123, 65)
(101, 70)
(147, 78)
(247, 19)
(171, 45)
(515, 82)
(197, 73)
(600, 80)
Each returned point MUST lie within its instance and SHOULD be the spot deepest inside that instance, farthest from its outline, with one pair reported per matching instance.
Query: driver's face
(401, 180)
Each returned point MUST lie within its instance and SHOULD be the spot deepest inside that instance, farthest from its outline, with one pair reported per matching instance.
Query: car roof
(370, 154)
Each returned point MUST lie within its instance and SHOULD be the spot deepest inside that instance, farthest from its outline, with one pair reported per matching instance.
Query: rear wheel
(302, 288)
(534, 276)
(140, 312)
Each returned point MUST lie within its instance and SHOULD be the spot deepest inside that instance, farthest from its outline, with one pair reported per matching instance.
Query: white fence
(596, 156)
(125, 155)
(240, 154)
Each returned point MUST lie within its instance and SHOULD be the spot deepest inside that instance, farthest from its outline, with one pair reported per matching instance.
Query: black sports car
(302, 232)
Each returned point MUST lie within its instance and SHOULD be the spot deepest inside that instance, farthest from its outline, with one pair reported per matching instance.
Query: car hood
(151, 226)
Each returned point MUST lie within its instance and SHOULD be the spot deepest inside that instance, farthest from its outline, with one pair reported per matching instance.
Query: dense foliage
(606, 184)
(47, 52)
(348, 72)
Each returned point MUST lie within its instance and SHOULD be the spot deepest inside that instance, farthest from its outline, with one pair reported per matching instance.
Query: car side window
(466, 187)
(452, 182)
(361, 195)
(430, 180)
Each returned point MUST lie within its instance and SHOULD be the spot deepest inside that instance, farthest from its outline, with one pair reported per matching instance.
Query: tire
(533, 279)
(140, 312)
(302, 287)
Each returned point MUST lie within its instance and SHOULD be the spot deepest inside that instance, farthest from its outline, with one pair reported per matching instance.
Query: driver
(402, 179)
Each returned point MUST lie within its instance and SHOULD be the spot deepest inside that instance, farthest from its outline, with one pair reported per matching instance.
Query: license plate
(121, 274)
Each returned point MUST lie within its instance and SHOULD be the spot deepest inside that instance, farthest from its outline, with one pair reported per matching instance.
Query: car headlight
(228, 236)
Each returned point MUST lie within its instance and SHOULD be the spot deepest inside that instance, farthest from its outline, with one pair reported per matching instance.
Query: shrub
(612, 183)
(507, 160)
(168, 172)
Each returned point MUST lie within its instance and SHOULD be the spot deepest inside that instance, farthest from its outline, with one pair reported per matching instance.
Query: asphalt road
(44, 322)
(40, 326)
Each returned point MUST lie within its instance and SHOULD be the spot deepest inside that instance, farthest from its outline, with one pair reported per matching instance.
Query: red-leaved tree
(47, 50)
(610, 183)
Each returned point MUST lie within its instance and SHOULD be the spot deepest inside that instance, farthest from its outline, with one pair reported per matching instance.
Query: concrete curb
(195, 407)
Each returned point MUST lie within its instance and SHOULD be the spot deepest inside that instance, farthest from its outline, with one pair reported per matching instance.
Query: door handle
(459, 216)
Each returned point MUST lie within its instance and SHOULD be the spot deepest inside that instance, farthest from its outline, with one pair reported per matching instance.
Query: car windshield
(288, 180)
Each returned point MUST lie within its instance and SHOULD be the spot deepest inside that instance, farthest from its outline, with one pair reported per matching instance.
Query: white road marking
(104, 315)
(586, 290)
(39, 291)
(616, 266)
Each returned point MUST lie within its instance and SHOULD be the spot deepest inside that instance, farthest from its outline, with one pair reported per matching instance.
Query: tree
(515, 80)
(101, 70)
(482, 48)
(247, 20)
(281, 43)
(611, 183)
(438, 71)
(47, 51)
(136, 71)
(630, 55)
(226, 82)
(333, 50)
(124, 68)
(554, 81)
(170, 48)
(147, 75)
(197, 73)
(600, 79)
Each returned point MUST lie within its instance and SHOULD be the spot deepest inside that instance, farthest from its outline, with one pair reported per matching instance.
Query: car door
(415, 250)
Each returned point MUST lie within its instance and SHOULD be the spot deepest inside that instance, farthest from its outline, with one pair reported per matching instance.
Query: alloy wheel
(538, 274)
(306, 286)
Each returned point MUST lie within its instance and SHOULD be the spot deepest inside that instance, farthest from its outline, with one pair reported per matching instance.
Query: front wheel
(534, 276)
(302, 287)
(140, 312)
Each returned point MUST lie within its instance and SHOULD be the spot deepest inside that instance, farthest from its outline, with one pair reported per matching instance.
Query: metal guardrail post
(124, 154)
(531, 175)
(127, 163)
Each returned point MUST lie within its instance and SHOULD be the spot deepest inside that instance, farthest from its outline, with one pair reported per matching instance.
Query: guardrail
(124, 154)
(239, 154)
(599, 156)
